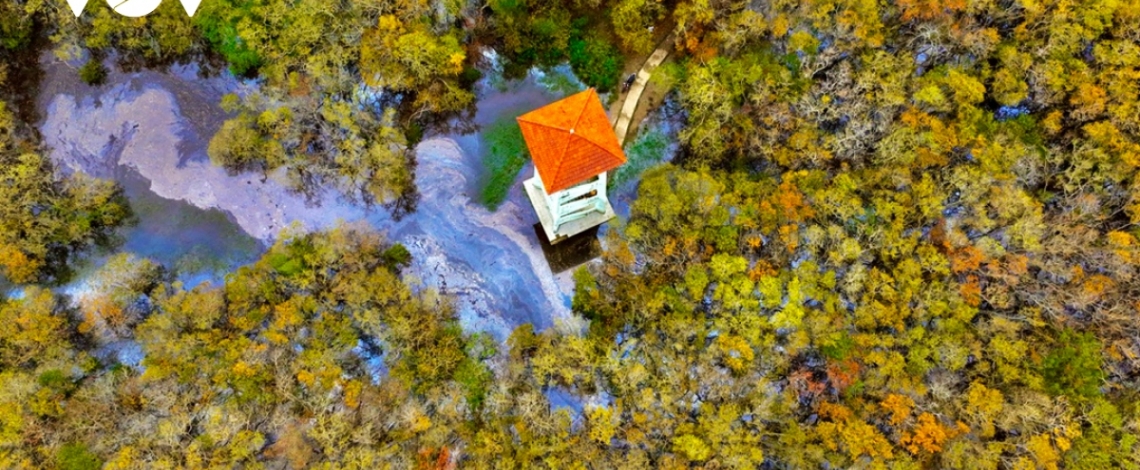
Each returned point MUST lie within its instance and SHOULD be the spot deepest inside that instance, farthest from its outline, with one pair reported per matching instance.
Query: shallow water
(199, 243)
(149, 131)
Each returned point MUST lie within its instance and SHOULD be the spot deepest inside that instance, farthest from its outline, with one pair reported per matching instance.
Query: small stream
(149, 130)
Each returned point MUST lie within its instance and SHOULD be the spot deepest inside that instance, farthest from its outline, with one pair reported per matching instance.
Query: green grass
(505, 157)
(561, 81)
(645, 151)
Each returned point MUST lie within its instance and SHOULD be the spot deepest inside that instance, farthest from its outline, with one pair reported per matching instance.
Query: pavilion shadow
(571, 252)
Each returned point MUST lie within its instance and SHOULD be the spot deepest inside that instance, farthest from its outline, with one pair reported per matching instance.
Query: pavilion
(573, 146)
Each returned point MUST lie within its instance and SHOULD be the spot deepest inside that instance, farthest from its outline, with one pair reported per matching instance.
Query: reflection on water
(197, 244)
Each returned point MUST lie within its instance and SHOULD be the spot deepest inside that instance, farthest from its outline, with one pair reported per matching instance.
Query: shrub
(93, 72)
(77, 457)
(218, 25)
(596, 62)
(469, 76)
(396, 257)
(414, 134)
(1073, 367)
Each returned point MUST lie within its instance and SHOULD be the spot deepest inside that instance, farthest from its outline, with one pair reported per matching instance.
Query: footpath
(625, 117)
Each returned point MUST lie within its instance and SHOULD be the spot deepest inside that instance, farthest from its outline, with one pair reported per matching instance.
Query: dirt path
(633, 97)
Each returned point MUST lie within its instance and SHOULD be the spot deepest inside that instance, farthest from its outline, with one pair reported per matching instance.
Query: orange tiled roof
(571, 140)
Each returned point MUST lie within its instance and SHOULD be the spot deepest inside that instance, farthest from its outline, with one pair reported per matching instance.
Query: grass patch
(645, 151)
(506, 156)
(561, 81)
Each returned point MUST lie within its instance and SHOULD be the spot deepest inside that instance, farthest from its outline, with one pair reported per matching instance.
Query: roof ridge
(594, 139)
(581, 112)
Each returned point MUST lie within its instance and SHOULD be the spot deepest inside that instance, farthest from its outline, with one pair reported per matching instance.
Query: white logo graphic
(133, 8)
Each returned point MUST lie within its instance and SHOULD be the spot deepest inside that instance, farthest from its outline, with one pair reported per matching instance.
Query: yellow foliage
(754, 242)
(857, 437)
(1041, 448)
(352, 391)
(243, 369)
(602, 426)
(899, 406)
(1096, 285)
(420, 423)
(984, 403)
(125, 459)
(780, 26)
(11, 424)
(789, 234)
(1124, 246)
(928, 435)
(16, 265)
(735, 351)
(833, 411)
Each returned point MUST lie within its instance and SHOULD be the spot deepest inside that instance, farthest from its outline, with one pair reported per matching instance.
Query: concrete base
(567, 229)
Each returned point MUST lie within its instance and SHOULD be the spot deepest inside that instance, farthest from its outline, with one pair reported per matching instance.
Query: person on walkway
(628, 82)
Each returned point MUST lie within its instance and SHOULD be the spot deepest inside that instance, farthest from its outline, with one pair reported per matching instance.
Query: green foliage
(218, 24)
(76, 457)
(93, 72)
(473, 376)
(647, 149)
(839, 348)
(406, 54)
(596, 61)
(560, 83)
(414, 134)
(47, 221)
(363, 155)
(506, 154)
(53, 379)
(631, 21)
(1104, 442)
(166, 35)
(713, 91)
(469, 77)
(1073, 366)
(858, 259)
(396, 257)
(292, 259)
(546, 34)
(15, 26)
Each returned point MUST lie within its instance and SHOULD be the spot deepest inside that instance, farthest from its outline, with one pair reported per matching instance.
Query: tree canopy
(896, 235)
